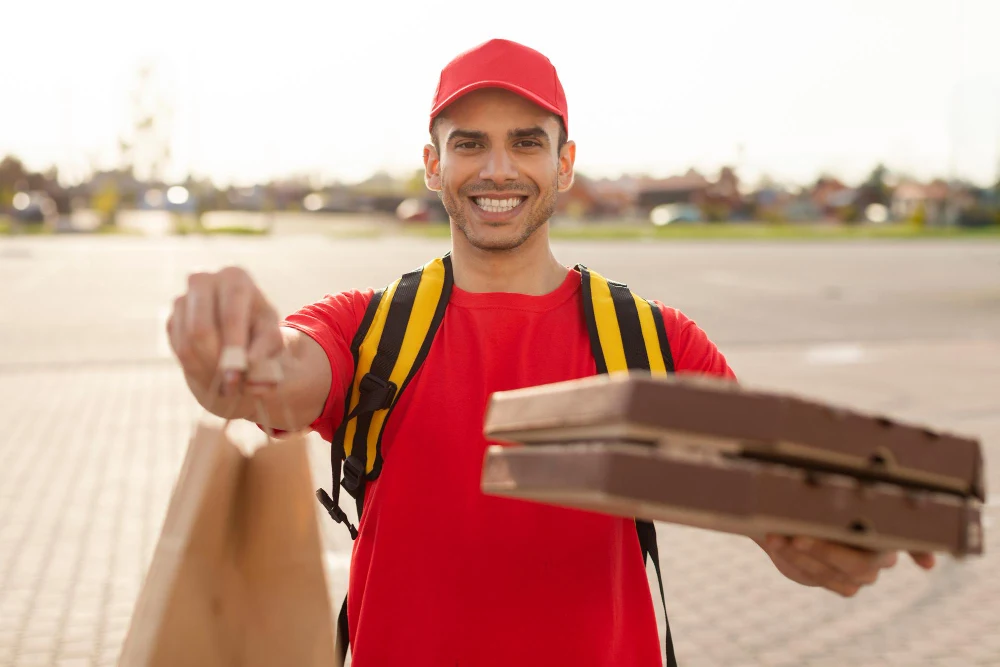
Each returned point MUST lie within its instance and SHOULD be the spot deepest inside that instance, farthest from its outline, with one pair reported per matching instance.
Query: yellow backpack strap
(626, 333)
(392, 341)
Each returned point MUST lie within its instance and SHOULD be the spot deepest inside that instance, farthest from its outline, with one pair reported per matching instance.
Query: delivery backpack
(395, 335)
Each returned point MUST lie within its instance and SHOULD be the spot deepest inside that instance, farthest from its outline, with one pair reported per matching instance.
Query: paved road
(96, 420)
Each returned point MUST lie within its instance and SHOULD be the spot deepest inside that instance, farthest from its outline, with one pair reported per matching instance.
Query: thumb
(924, 560)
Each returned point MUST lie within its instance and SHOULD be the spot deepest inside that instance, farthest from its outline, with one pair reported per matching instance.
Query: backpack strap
(392, 342)
(627, 332)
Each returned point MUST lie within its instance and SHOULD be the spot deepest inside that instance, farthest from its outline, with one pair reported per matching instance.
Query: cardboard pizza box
(696, 487)
(721, 415)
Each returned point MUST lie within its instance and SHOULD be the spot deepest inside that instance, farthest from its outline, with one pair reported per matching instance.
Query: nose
(499, 166)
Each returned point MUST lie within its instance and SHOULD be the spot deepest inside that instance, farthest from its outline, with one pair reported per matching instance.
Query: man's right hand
(226, 309)
(219, 310)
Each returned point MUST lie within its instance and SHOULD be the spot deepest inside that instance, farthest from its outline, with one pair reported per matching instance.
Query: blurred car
(668, 214)
(34, 208)
(413, 210)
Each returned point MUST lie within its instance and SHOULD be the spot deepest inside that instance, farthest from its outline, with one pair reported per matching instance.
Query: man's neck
(530, 268)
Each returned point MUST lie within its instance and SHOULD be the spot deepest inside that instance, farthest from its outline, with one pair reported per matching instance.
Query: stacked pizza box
(710, 453)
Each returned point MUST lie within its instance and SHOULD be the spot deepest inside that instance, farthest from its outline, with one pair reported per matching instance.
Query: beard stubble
(543, 207)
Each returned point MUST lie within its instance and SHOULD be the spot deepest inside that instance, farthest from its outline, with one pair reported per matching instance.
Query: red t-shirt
(443, 575)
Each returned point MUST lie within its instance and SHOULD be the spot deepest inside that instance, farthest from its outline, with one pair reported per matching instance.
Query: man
(440, 573)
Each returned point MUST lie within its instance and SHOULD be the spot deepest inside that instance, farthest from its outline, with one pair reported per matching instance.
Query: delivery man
(442, 574)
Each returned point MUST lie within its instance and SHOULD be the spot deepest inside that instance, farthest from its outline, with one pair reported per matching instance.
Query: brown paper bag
(237, 576)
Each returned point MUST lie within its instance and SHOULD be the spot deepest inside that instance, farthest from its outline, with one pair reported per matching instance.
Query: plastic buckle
(382, 390)
(353, 475)
(335, 512)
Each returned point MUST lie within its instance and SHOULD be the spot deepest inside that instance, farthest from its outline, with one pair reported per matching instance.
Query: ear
(567, 158)
(432, 168)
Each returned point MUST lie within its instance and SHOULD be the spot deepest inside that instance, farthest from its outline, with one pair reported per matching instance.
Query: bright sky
(343, 89)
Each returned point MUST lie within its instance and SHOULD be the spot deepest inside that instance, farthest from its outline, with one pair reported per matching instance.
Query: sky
(784, 88)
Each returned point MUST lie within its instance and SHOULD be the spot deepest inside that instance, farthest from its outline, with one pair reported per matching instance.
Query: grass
(114, 230)
(189, 225)
(772, 232)
(10, 228)
(236, 231)
(740, 232)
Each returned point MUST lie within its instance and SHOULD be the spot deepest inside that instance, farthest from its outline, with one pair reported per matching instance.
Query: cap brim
(478, 85)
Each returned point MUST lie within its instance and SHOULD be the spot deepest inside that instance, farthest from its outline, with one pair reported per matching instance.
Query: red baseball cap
(500, 63)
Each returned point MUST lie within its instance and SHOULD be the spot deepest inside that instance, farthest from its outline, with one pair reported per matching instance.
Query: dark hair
(563, 137)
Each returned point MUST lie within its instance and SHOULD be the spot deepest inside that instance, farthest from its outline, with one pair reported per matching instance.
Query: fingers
(175, 331)
(842, 588)
(235, 302)
(817, 572)
(836, 567)
(924, 560)
(236, 296)
(199, 326)
(266, 341)
(855, 564)
(794, 573)
(222, 318)
(265, 347)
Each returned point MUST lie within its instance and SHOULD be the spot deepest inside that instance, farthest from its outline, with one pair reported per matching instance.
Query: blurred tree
(145, 144)
(15, 177)
(877, 179)
(875, 190)
(12, 172)
(415, 186)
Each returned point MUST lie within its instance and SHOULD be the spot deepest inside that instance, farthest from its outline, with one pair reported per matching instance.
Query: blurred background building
(683, 112)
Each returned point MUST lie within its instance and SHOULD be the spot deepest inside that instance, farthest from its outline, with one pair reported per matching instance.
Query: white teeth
(498, 205)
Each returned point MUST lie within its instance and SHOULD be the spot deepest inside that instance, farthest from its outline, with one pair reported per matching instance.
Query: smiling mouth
(491, 205)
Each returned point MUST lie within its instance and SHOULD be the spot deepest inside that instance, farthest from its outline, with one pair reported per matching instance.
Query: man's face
(498, 167)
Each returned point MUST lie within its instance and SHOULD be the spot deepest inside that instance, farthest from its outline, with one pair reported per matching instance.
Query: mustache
(489, 187)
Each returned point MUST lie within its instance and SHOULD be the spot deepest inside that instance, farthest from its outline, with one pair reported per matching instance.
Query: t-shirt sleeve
(693, 351)
(332, 322)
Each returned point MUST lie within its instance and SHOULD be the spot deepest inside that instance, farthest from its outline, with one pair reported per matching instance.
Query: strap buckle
(335, 512)
(353, 476)
(376, 393)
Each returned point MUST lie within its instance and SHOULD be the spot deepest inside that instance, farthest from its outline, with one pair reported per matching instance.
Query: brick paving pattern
(96, 418)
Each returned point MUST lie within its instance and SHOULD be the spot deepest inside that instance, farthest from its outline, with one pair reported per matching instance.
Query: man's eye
(467, 145)
(527, 143)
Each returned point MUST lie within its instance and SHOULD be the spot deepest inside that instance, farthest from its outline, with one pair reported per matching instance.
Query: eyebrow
(535, 132)
(466, 134)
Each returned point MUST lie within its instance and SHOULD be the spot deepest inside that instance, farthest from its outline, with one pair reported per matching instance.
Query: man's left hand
(836, 567)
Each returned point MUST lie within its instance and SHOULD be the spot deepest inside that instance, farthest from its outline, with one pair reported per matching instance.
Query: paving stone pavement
(97, 419)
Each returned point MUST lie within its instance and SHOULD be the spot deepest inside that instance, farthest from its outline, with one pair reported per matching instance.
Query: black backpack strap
(376, 390)
(343, 635)
(391, 343)
(647, 542)
(661, 334)
(331, 501)
(626, 333)
(627, 314)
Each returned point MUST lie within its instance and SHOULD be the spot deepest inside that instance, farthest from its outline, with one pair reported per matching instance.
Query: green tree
(415, 186)
(12, 173)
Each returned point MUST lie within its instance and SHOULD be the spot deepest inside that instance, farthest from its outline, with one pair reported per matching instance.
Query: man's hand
(836, 567)
(221, 309)
(226, 309)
